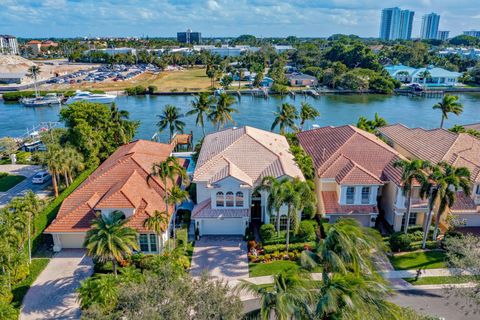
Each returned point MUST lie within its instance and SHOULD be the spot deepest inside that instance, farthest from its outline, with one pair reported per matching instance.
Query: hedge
(292, 246)
(17, 95)
(49, 213)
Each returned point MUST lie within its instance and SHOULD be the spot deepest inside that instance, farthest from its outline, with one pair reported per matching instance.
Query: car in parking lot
(41, 177)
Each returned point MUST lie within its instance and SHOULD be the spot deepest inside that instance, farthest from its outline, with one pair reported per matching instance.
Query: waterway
(258, 112)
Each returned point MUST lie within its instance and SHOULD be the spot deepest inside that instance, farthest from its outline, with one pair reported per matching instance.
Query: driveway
(221, 257)
(27, 171)
(52, 295)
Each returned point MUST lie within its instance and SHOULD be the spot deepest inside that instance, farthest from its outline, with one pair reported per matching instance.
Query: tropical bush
(293, 246)
(267, 231)
(151, 89)
(306, 230)
(400, 242)
(135, 91)
(17, 95)
(279, 89)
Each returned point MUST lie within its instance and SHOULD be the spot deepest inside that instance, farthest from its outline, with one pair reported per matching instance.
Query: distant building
(429, 77)
(189, 37)
(473, 33)
(396, 24)
(39, 46)
(114, 51)
(283, 48)
(466, 53)
(430, 24)
(12, 77)
(301, 80)
(8, 44)
(443, 35)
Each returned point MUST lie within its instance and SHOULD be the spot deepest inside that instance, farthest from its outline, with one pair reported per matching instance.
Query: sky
(221, 18)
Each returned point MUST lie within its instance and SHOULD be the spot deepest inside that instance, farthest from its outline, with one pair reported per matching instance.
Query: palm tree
(109, 239)
(222, 112)
(285, 117)
(100, 289)
(274, 203)
(202, 107)
(118, 117)
(425, 74)
(296, 195)
(240, 75)
(73, 162)
(446, 182)
(307, 112)
(170, 117)
(33, 73)
(52, 160)
(412, 172)
(290, 295)
(449, 104)
(177, 196)
(157, 222)
(29, 205)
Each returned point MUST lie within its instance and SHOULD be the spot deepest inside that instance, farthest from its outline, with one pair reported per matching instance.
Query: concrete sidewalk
(412, 273)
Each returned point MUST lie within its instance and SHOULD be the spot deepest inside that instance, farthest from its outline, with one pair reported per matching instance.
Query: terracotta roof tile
(463, 204)
(331, 205)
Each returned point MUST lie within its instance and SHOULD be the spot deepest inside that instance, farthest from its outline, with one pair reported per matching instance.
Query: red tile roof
(331, 205)
(463, 204)
(119, 182)
(204, 210)
(474, 126)
(350, 155)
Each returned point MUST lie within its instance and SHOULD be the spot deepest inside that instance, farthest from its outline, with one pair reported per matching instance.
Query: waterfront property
(436, 145)
(122, 183)
(231, 164)
(430, 76)
(301, 80)
(356, 178)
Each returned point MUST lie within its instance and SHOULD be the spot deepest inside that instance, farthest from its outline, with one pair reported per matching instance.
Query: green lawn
(20, 289)
(441, 280)
(274, 267)
(416, 260)
(9, 181)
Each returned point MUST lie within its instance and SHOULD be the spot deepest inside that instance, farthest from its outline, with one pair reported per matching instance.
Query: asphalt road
(428, 302)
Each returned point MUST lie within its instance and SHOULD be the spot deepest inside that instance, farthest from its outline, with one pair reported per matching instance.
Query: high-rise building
(430, 24)
(8, 44)
(443, 35)
(396, 24)
(473, 33)
(189, 37)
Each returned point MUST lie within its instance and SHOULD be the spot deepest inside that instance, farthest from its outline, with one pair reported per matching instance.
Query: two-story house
(230, 166)
(436, 145)
(121, 183)
(356, 177)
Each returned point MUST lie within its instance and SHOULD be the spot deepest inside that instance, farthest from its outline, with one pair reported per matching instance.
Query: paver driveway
(221, 257)
(52, 295)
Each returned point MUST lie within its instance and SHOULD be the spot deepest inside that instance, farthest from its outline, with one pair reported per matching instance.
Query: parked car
(41, 177)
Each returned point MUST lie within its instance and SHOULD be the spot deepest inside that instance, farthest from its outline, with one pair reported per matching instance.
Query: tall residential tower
(430, 24)
(396, 24)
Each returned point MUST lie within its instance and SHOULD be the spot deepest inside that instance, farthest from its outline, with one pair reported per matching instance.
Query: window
(220, 199)
(229, 199)
(350, 195)
(411, 221)
(365, 195)
(148, 242)
(283, 222)
(239, 199)
(478, 189)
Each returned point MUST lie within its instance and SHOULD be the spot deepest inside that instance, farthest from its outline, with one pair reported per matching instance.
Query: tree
(289, 297)
(371, 125)
(285, 117)
(274, 202)
(177, 196)
(158, 222)
(8, 146)
(170, 117)
(109, 239)
(226, 81)
(101, 290)
(461, 129)
(222, 112)
(33, 73)
(449, 104)
(425, 75)
(240, 75)
(413, 172)
(202, 107)
(307, 112)
(52, 160)
(118, 118)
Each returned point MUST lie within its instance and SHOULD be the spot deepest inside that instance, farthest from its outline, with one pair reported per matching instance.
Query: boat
(91, 97)
(47, 100)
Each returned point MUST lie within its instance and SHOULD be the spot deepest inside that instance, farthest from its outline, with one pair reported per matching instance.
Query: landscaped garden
(8, 181)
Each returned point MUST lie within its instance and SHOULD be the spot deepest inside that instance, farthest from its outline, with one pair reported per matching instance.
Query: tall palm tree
(109, 239)
(240, 74)
(158, 222)
(449, 104)
(307, 112)
(285, 117)
(52, 159)
(202, 106)
(27, 206)
(177, 196)
(274, 203)
(296, 195)
(118, 117)
(74, 162)
(290, 295)
(446, 182)
(222, 112)
(170, 117)
(412, 172)
(33, 73)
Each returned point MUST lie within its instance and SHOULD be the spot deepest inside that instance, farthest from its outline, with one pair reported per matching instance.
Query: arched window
(239, 199)
(229, 199)
(220, 199)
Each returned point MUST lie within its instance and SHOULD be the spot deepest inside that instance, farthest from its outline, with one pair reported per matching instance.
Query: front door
(256, 211)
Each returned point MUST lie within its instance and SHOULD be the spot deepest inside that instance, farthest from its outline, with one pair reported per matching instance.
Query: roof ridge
(355, 164)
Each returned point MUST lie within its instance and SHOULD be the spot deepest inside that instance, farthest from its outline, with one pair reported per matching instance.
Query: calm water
(257, 112)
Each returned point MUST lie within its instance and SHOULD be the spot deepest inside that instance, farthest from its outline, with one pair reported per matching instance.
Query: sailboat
(47, 100)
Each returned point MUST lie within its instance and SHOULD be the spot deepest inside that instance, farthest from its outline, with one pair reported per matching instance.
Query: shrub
(306, 230)
(251, 244)
(400, 242)
(261, 258)
(249, 234)
(428, 245)
(292, 247)
(267, 231)
(268, 257)
(135, 91)
(152, 89)
(279, 89)
(182, 237)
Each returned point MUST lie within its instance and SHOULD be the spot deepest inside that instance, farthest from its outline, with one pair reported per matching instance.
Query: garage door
(72, 241)
(225, 226)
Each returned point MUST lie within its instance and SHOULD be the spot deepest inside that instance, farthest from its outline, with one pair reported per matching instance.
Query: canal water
(258, 112)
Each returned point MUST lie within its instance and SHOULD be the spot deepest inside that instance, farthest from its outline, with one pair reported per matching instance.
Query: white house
(430, 76)
(231, 164)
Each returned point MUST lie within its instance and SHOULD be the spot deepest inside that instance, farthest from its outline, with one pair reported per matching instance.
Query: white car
(41, 177)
